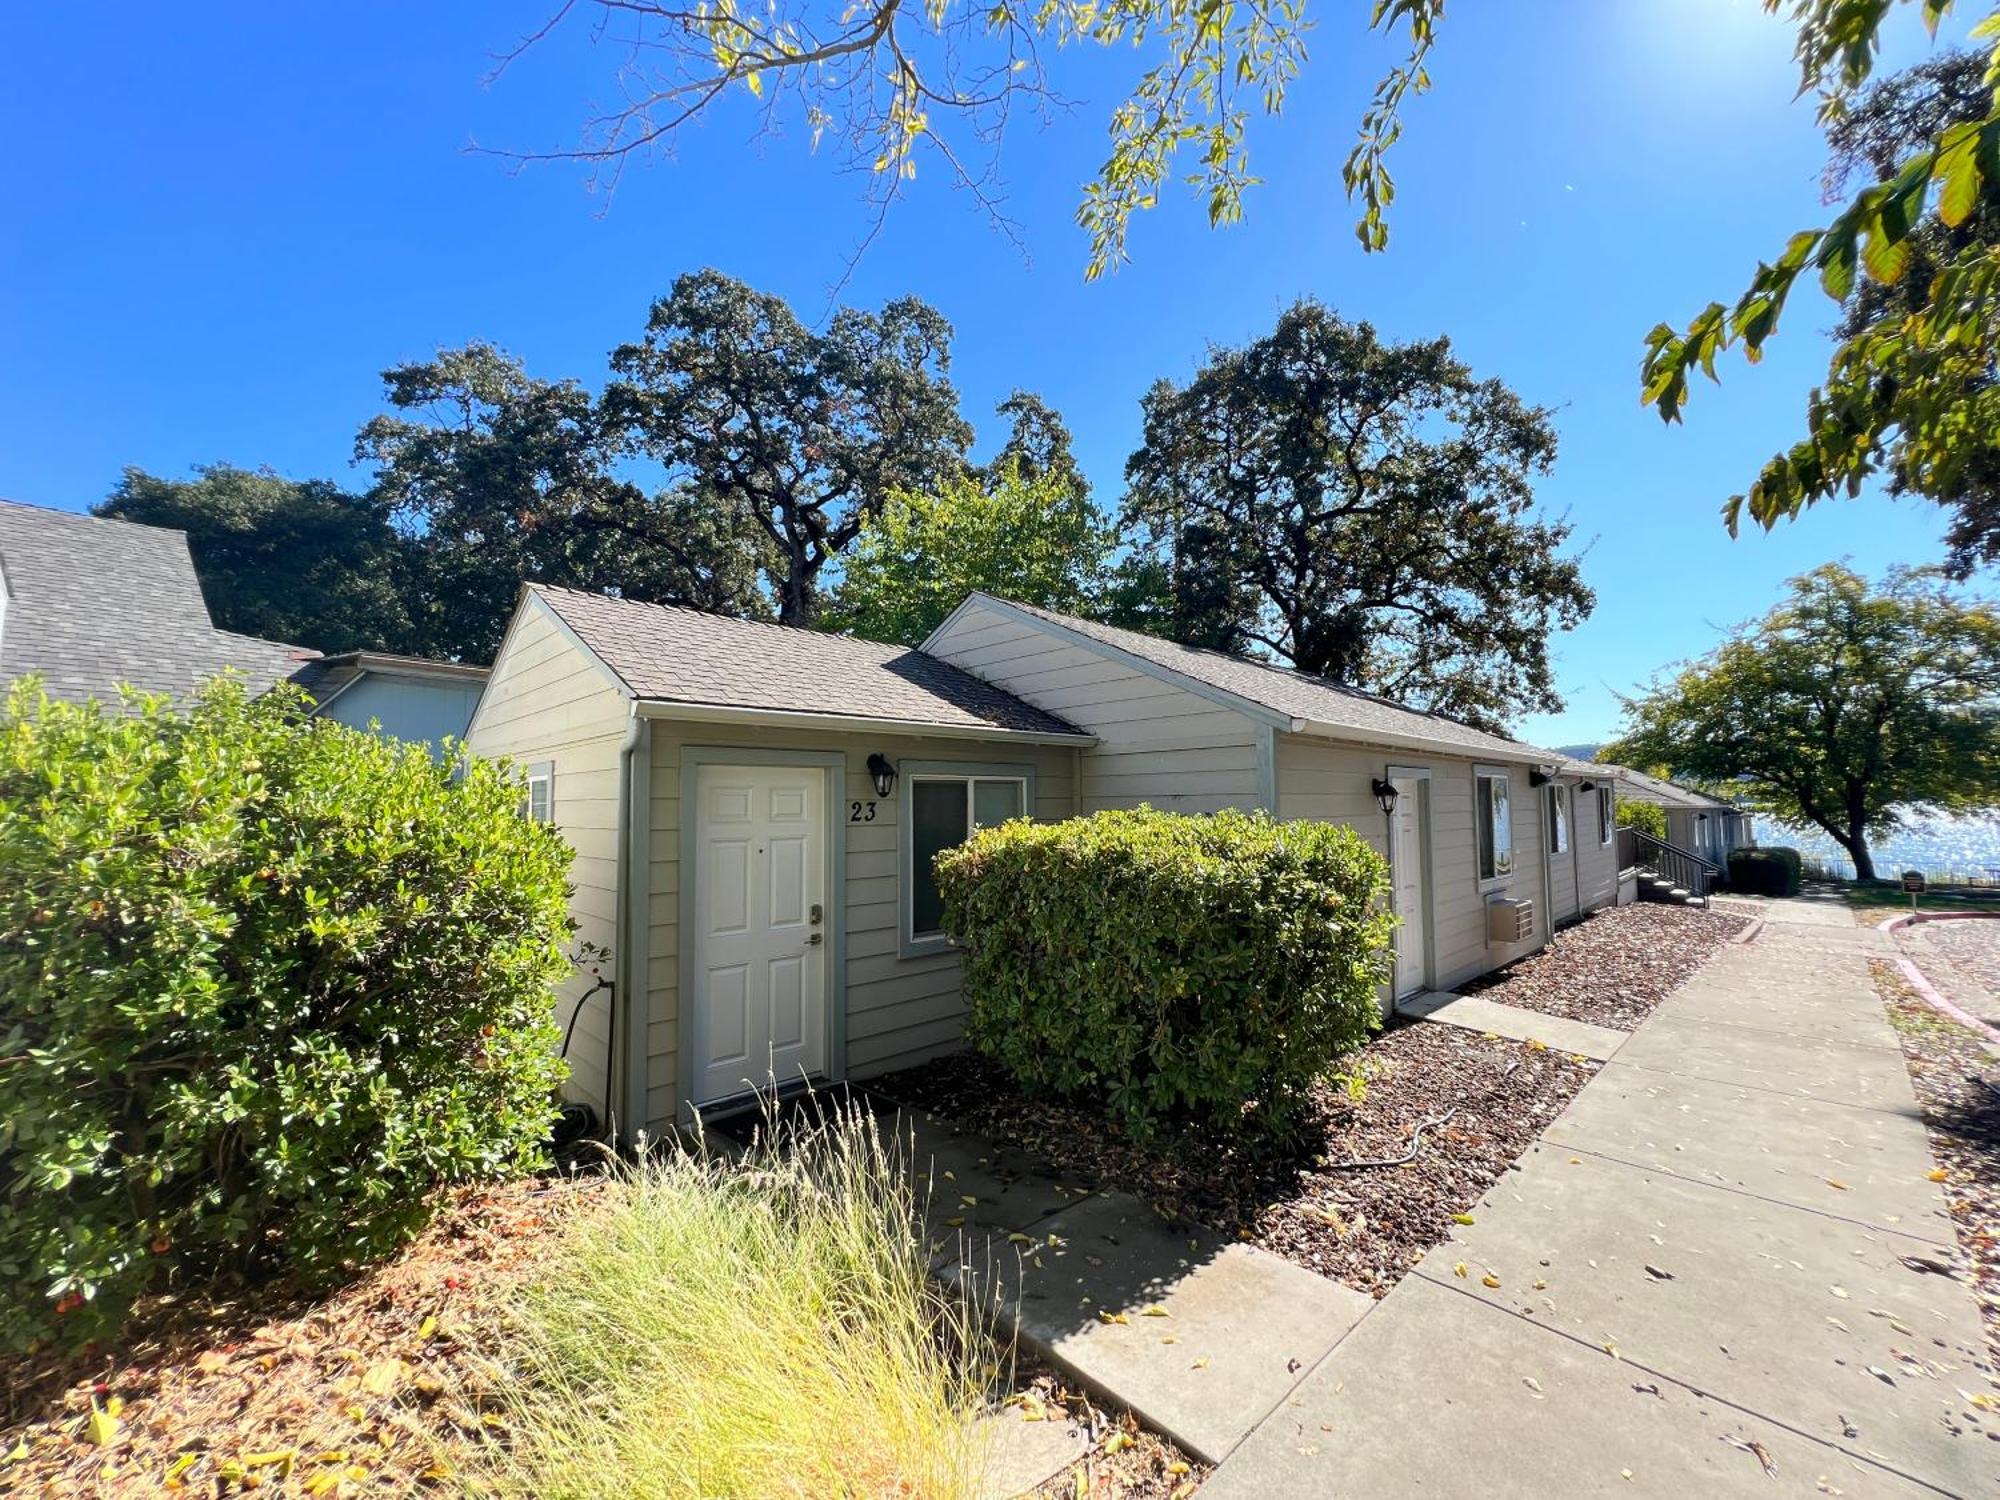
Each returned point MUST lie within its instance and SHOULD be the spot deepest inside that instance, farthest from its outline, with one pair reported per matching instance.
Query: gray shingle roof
(1296, 695)
(668, 654)
(93, 603)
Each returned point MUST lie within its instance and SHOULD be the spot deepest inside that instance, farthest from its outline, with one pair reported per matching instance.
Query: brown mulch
(1614, 966)
(1363, 1226)
(1124, 1461)
(360, 1391)
(1957, 1081)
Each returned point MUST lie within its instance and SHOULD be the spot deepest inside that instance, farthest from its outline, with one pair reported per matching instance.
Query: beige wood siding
(1330, 781)
(1596, 862)
(900, 1011)
(1158, 743)
(549, 701)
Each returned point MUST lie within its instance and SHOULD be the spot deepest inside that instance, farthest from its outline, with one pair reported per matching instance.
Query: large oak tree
(1359, 509)
(1843, 708)
(804, 434)
(297, 560)
(499, 478)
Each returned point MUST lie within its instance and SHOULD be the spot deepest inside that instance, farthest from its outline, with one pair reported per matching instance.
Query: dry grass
(754, 1327)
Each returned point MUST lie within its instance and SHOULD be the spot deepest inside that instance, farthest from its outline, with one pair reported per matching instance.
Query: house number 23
(861, 812)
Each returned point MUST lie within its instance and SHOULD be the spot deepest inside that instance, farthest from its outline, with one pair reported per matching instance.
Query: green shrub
(1170, 965)
(1764, 872)
(746, 1328)
(264, 983)
(1647, 817)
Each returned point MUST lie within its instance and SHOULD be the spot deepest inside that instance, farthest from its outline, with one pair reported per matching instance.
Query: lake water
(1962, 847)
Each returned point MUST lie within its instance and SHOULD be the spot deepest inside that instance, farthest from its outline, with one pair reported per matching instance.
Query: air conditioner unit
(1509, 921)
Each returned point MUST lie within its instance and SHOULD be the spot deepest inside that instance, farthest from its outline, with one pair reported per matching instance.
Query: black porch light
(884, 771)
(1540, 776)
(1385, 795)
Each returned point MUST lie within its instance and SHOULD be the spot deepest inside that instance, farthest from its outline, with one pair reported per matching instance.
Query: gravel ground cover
(1970, 948)
(1614, 966)
(1480, 1099)
(1957, 1081)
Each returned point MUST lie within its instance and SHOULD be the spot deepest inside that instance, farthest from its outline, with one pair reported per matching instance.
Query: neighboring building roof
(1315, 705)
(327, 677)
(95, 603)
(1644, 788)
(666, 654)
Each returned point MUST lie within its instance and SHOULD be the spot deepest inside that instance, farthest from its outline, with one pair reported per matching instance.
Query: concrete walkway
(1491, 1018)
(1723, 1270)
(1198, 1336)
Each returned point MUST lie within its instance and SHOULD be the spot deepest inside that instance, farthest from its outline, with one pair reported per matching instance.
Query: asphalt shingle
(673, 655)
(95, 603)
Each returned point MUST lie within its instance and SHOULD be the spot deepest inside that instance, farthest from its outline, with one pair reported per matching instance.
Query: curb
(1928, 992)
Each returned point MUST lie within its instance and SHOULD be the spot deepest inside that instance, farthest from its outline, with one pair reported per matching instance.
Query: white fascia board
(776, 718)
(1525, 755)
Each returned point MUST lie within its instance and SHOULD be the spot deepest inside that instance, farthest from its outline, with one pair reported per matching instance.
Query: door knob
(815, 939)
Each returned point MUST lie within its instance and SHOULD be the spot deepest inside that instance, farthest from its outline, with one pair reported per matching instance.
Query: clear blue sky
(223, 221)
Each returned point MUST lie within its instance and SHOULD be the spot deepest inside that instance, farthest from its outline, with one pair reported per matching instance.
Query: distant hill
(1578, 752)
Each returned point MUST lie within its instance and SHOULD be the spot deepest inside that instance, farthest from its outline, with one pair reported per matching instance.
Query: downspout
(618, 1110)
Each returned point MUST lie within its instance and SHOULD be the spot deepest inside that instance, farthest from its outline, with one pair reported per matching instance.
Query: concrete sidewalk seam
(1701, 1391)
(1743, 1192)
(1830, 1041)
(1731, 1083)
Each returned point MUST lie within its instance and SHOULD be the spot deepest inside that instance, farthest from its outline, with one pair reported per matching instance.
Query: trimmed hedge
(265, 982)
(1764, 872)
(1166, 966)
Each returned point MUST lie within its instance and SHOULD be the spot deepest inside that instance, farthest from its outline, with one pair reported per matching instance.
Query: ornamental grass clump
(743, 1328)
(265, 983)
(1202, 969)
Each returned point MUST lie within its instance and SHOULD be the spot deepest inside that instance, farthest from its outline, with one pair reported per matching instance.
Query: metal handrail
(1683, 867)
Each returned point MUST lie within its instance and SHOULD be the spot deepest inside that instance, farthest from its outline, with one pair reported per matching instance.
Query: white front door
(1409, 873)
(760, 959)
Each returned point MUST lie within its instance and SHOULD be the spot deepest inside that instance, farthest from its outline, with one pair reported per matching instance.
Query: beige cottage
(755, 809)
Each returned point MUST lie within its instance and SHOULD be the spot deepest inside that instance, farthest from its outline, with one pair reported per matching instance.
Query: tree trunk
(1856, 843)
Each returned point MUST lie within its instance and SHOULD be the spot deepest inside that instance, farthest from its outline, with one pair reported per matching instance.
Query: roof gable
(667, 654)
(1303, 702)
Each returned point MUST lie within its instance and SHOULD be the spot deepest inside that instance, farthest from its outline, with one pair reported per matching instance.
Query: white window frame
(1500, 877)
(913, 943)
(541, 773)
(1607, 815)
(1559, 812)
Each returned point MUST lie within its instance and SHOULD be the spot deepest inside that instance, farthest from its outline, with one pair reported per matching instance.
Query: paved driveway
(1723, 1270)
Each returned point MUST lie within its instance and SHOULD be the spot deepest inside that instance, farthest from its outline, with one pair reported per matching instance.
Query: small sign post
(1913, 882)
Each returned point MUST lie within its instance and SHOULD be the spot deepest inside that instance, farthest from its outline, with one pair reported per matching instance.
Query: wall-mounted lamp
(884, 772)
(1586, 786)
(1539, 777)
(1385, 795)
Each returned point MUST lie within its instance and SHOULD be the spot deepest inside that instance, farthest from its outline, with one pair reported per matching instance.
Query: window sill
(1497, 883)
(926, 947)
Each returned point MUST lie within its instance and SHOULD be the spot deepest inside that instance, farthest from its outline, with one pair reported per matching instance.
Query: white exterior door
(760, 958)
(1409, 873)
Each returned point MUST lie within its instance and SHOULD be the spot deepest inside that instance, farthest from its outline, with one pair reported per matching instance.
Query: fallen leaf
(1461, 1270)
(1534, 1386)
(1461, 1218)
(1835, 1182)
(1658, 1275)
(101, 1428)
(1112, 1317)
(1937, 1174)
(1155, 1311)
(1490, 1280)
